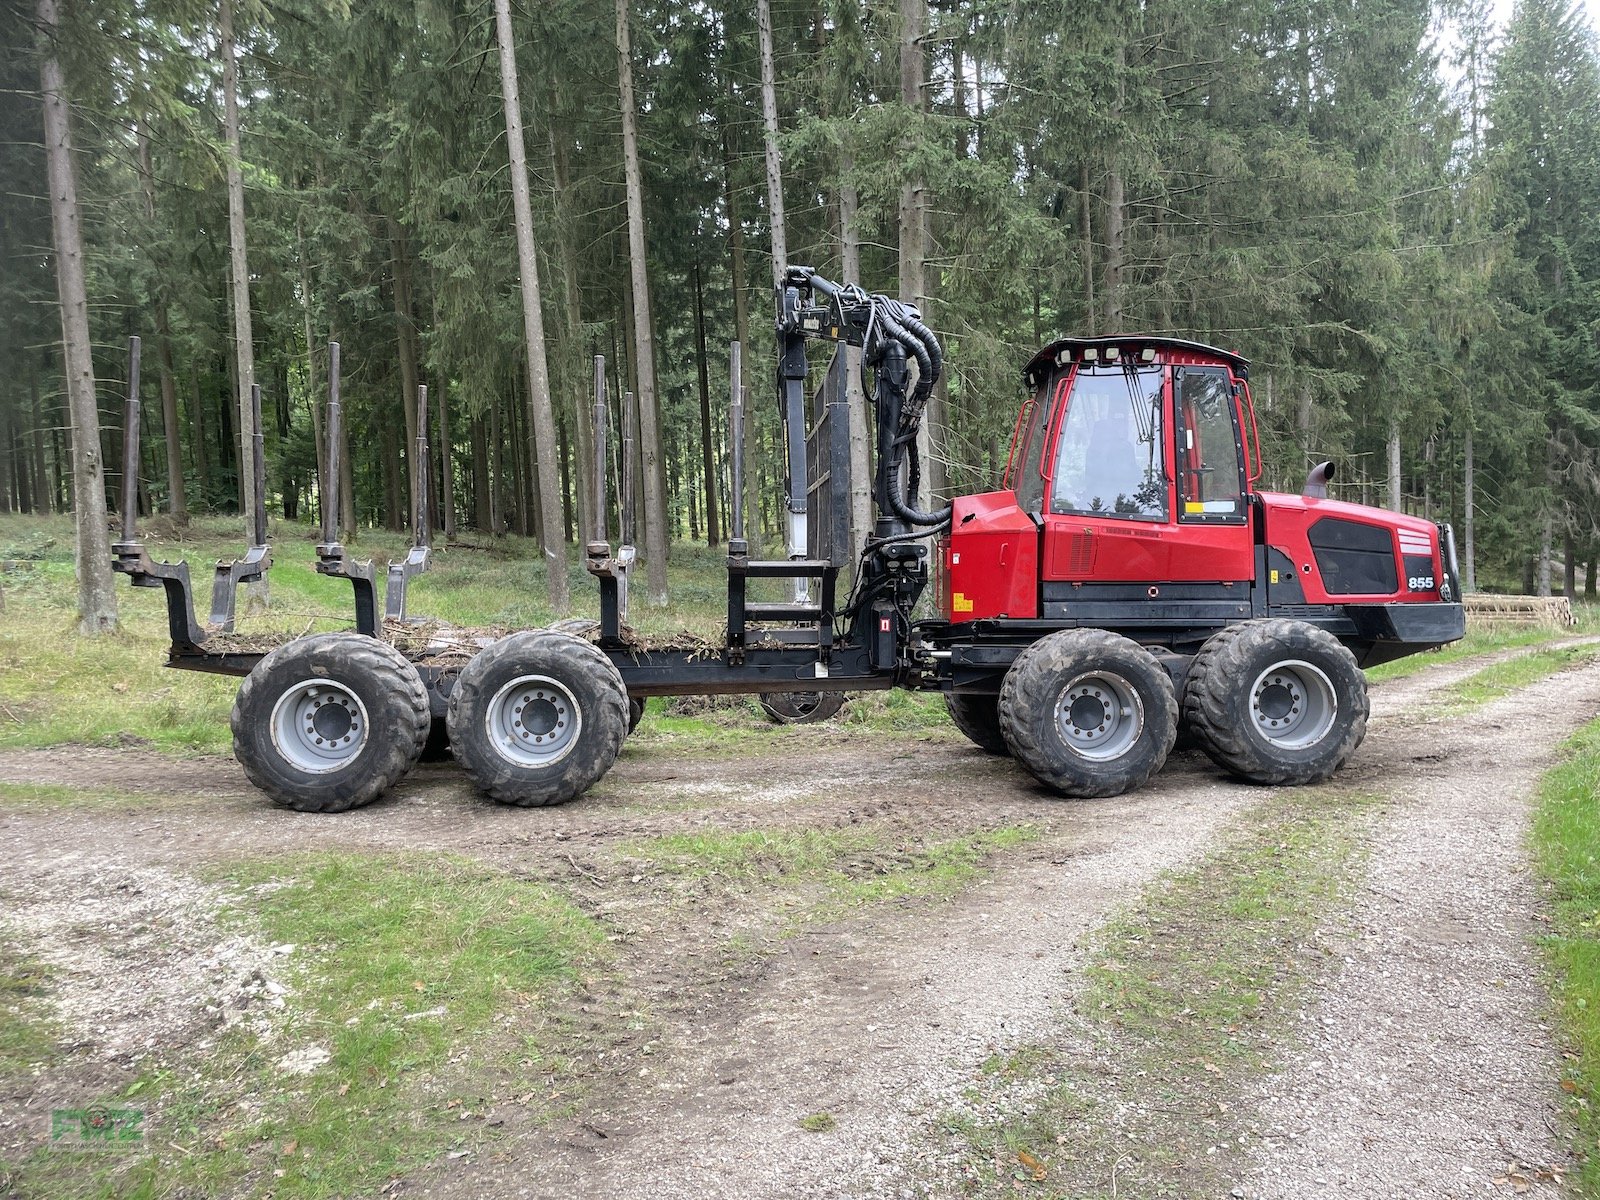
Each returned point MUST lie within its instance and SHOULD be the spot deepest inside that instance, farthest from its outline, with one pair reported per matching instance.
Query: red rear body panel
(991, 559)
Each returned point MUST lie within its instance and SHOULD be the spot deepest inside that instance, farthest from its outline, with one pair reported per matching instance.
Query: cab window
(1026, 478)
(1109, 452)
(1210, 476)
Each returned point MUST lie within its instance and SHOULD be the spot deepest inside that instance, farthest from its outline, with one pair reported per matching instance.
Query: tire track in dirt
(881, 1021)
(1391, 698)
(1426, 1064)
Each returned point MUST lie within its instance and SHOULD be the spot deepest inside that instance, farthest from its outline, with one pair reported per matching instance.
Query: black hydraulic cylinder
(792, 368)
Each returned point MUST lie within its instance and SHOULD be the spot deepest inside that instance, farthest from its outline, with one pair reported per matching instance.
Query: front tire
(330, 722)
(979, 718)
(1088, 713)
(1277, 702)
(538, 717)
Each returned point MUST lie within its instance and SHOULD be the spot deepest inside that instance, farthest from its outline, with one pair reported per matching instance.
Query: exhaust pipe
(1317, 482)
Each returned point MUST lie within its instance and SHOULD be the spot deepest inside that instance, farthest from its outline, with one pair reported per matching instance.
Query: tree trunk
(1469, 582)
(177, 505)
(914, 220)
(708, 447)
(8, 461)
(1116, 212)
(579, 403)
(447, 470)
(860, 423)
(405, 334)
(202, 448)
(542, 423)
(393, 489)
(566, 481)
(1116, 203)
(44, 495)
(1546, 532)
(97, 599)
(1397, 500)
(314, 398)
(497, 487)
(1547, 525)
(244, 339)
(1569, 565)
(651, 461)
(1086, 242)
(769, 123)
(741, 333)
(482, 482)
(347, 485)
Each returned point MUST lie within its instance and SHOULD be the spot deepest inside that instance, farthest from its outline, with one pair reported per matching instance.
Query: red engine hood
(1316, 507)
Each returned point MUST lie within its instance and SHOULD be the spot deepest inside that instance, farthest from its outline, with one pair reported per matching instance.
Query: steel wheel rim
(533, 721)
(803, 704)
(319, 726)
(1099, 715)
(1293, 704)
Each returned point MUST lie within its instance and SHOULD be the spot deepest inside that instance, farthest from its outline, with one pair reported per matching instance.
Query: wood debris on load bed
(449, 647)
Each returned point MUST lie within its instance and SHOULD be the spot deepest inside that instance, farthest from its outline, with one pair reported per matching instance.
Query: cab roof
(1129, 347)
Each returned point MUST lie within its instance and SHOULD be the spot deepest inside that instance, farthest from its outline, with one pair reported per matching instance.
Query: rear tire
(979, 718)
(329, 722)
(1276, 702)
(800, 708)
(538, 717)
(586, 628)
(1088, 713)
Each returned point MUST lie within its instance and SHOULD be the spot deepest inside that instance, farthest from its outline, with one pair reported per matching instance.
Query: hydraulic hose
(901, 504)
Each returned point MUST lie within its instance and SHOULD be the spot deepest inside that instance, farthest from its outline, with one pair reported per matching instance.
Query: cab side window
(1210, 475)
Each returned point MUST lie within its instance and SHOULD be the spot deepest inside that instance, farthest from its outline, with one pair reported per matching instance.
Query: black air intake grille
(1354, 559)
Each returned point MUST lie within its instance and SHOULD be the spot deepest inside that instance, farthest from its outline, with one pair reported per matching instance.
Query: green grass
(1474, 644)
(14, 796)
(1566, 845)
(850, 866)
(57, 687)
(1186, 995)
(1502, 678)
(818, 1122)
(431, 982)
(28, 1032)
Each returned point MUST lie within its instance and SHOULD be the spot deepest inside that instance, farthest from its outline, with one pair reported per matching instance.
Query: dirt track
(1438, 1052)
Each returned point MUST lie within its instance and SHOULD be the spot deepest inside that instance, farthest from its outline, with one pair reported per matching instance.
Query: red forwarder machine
(1127, 577)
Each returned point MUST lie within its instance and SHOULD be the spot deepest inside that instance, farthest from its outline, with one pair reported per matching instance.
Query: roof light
(1091, 354)
(1148, 354)
(1063, 358)
(1113, 353)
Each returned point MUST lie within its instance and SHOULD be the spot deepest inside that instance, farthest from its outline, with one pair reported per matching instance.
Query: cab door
(1214, 540)
(1108, 486)
(1145, 485)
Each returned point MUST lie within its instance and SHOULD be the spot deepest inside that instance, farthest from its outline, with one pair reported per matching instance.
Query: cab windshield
(1108, 456)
